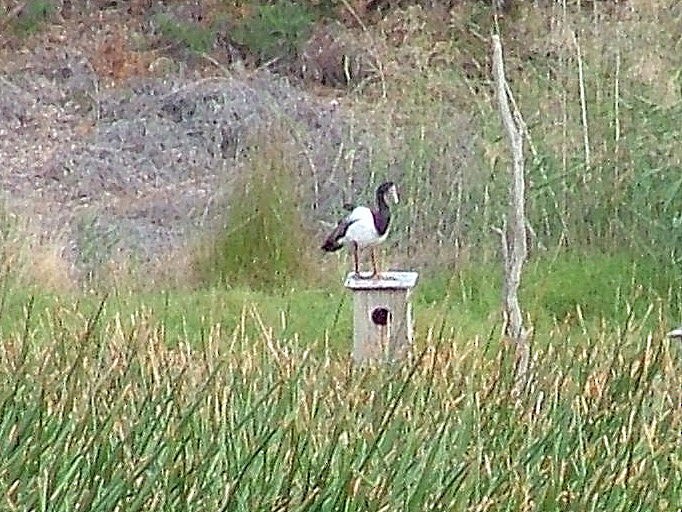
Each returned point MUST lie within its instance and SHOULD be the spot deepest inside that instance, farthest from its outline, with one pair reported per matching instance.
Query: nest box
(382, 315)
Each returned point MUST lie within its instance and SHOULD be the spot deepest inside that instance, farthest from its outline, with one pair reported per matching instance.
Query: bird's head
(388, 191)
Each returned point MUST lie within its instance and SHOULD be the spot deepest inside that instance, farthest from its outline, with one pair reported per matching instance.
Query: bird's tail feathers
(331, 245)
(333, 241)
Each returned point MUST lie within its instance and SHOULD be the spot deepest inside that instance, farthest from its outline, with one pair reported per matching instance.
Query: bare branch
(513, 234)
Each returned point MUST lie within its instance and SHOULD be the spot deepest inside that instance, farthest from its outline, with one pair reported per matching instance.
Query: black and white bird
(364, 227)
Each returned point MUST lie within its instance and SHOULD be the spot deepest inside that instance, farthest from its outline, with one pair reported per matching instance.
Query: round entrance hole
(380, 316)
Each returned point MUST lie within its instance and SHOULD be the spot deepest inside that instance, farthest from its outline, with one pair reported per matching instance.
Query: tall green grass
(443, 135)
(568, 293)
(264, 242)
(107, 416)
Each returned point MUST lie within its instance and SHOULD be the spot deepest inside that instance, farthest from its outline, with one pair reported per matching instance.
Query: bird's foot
(361, 275)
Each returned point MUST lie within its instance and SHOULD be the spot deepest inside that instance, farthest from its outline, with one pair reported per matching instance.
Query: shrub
(190, 35)
(335, 56)
(263, 244)
(34, 13)
(275, 30)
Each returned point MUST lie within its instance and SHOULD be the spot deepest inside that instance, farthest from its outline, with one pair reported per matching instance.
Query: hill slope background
(127, 126)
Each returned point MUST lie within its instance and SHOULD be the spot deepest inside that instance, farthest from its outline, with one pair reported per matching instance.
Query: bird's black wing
(332, 242)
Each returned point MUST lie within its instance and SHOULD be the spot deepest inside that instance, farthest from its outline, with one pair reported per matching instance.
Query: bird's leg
(375, 274)
(355, 259)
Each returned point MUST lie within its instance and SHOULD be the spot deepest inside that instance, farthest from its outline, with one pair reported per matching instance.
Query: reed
(108, 415)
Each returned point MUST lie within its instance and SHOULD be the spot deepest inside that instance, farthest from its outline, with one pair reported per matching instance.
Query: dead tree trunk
(513, 231)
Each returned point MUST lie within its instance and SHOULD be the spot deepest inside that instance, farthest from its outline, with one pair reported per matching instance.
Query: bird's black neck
(382, 214)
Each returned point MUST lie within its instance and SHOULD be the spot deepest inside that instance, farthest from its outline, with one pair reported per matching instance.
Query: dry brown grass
(114, 59)
(538, 41)
(38, 262)
(49, 268)
(175, 270)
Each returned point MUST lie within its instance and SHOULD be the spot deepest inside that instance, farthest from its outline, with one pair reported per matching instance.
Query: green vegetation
(267, 32)
(608, 180)
(107, 414)
(236, 392)
(31, 17)
(275, 30)
(571, 293)
(264, 243)
(188, 34)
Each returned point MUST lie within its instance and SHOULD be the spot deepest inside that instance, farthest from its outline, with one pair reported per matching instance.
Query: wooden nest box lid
(393, 280)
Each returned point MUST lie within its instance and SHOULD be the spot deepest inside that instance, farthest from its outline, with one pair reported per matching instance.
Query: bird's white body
(361, 229)
(364, 228)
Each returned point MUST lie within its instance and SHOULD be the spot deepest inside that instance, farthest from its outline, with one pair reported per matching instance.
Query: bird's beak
(394, 194)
